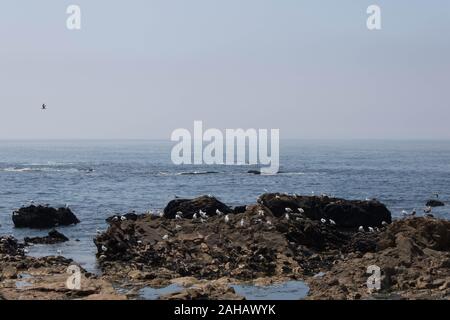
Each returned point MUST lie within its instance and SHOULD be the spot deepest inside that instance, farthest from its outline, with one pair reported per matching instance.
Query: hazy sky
(140, 69)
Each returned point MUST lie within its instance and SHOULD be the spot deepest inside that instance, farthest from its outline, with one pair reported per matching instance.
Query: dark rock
(254, 171)
(10, 246)
(189, 207)
(435, 203)
(52, 238)
(346, 213)
(41, 217)
(239, 209)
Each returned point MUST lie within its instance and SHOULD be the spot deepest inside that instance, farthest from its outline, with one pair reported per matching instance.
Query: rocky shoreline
(204, 246)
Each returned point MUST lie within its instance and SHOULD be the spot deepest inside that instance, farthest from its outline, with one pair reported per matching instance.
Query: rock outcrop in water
(248, 245)
(435, 203)
(264, 243)
(189, 207)
(53, 237)
(42, 217)
(346, 213)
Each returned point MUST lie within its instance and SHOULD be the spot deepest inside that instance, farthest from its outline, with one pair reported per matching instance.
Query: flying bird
(44, 106)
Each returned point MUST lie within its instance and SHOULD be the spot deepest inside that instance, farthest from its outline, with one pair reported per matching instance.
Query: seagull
(25, 250)
(178, 215)
(288, 210)
(406, 214)
(323, 220)
(427, 210)
(177, 227)
(104, 248)
(436, 195)
(165, 237)
(332, 222)
(115, 218)
(261, 213)
(242, 222)
(139, 242)
(202, 220)
(203, 214)
(161, 214)
(59, 252)
(194, 216)
(44, 106)
(361, 229)
(371, 229)
(384, 223)
(269, 222)
(218, 212)
(67, 206)
(227, 219)
(123, 218)
(277, 197)
(98, 231)
(301, 210)
(286, 216)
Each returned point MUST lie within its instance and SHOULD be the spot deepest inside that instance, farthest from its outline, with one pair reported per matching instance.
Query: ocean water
(100, 178)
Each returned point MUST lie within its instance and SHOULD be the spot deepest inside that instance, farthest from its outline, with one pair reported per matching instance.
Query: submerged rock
(53, 237)
(346, 213)
(41, 217)
(211, 290)
(188, 207)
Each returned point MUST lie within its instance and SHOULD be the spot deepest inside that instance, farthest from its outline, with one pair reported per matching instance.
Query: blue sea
(100, 178)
